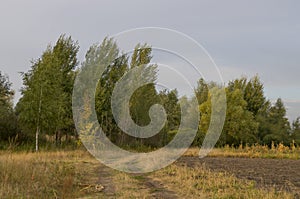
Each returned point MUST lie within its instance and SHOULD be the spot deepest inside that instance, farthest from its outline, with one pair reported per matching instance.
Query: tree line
(43, 114)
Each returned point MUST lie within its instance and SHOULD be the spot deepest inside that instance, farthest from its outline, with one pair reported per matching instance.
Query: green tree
(239, 127)
(296, 131)
(170, 102)
(278, 125)
(145, 96)
(253, 94)
(99, 65)
(8, 125)
(64, 62)
(141, 100)
(201, 91)
(104, 93)
(252, 91)
(45, 105)
(202, 95)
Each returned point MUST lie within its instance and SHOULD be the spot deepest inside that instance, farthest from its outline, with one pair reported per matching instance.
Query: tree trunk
(58, 137)
(37, 139)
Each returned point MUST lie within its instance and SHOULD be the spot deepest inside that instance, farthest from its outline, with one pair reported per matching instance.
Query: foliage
(278, 124)
(250, 118)
(8, 125)
(46, 95)
(239, 126)
(46, 103)
(296, 131)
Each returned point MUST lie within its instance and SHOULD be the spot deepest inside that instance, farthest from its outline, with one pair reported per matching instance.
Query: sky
(244, 38)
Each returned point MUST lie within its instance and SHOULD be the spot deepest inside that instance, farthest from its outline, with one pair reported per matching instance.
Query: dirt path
(155, 188)
(105, 179)
(281, 174)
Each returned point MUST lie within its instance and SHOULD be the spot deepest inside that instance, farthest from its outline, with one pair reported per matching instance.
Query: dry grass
(46, 174)
(255, 151)
(129, 186)
(74, 174)
(202, 183)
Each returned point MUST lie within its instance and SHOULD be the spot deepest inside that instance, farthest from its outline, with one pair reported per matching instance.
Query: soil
(157, 189)
(282, 174)
(105, 180)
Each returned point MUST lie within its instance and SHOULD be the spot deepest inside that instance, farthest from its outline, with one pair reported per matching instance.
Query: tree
(97, 66)
(8, 124)
(278, 125)
(64, 60)
(145, 96)
(46, 102)
(296, 131)
(170, 102)
(265, 127)
(141, 100)
(254, 96)
(104, 93)
(252, 92)
(239, 127)
(202, 95)
(202, 91)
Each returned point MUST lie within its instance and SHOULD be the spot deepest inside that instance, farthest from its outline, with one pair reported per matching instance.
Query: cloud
(244, 38)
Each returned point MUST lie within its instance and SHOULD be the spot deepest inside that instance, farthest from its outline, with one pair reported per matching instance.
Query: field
(234, 173)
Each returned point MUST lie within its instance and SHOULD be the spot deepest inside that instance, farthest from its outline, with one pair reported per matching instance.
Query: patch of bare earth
(106, 181)
(121, 185)
(281, 174)
(155, 188)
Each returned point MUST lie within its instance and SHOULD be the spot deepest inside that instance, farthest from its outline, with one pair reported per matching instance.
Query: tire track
(105, 179)
(155, 188)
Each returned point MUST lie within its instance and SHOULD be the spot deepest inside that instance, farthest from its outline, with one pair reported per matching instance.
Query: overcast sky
(243, 37)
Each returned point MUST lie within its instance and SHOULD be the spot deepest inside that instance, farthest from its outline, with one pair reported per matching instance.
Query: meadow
(76, 174)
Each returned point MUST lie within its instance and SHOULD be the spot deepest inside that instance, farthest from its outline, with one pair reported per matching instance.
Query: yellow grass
(74, 174)
(45, 175)
(202, 183)
(126, 186)
(255, 151)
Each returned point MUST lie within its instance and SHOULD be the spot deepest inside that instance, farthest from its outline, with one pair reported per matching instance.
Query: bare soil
(282, 174)
(157, 189)
(105, 180)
